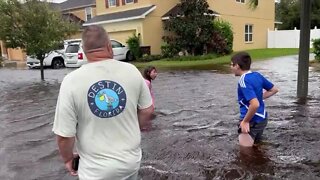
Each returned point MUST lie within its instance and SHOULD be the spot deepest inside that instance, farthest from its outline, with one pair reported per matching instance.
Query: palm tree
(253, 3)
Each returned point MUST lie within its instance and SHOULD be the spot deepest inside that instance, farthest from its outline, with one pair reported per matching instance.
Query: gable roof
(138, 13)
(74, 4)
(54, 5)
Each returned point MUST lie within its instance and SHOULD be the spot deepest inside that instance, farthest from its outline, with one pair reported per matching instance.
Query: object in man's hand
(75, 163)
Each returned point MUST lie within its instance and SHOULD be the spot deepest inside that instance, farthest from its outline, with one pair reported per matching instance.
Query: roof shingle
(119, 16)
(73, 4)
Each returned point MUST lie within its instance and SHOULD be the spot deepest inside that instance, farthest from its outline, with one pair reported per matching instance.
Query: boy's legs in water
(256, 131)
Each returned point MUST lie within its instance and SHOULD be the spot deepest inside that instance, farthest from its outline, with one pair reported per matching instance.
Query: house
(78, 11)
(122, 18)
(250, 26)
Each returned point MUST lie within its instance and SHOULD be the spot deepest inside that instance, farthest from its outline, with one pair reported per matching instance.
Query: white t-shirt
(98, 104)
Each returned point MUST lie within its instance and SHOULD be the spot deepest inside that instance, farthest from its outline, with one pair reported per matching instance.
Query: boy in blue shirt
(253, 88)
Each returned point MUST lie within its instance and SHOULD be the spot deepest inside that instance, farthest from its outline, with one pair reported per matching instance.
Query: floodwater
(194, 135)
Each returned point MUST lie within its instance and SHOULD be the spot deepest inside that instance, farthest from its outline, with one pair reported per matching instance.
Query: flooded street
(194, 135)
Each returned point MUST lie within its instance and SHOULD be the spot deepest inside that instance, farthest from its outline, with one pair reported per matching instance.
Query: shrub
(222, 40)
(148, 58)
(169, 50)
(134, 45)
(193, 58)
(316, 47)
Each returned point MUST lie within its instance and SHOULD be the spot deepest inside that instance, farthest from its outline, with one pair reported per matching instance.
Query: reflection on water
(194, 134)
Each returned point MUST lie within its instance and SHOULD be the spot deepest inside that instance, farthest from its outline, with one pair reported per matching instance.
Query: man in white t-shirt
(101, 108)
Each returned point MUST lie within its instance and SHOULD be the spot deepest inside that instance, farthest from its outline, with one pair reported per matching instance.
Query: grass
(203, 61)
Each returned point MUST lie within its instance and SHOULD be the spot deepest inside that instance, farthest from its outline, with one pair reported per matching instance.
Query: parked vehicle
(54, 59)
(75, 57)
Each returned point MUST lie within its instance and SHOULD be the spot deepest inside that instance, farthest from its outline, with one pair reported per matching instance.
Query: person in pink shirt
(150, 74)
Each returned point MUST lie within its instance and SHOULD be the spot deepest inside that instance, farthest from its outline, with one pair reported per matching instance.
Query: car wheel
(129, 56)
(57, 63)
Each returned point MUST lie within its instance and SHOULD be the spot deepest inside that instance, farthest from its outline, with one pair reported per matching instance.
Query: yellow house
(122, 18)
(76, 10)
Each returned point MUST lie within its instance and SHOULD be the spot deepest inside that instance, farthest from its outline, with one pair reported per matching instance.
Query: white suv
(75, 57)
(54, 59)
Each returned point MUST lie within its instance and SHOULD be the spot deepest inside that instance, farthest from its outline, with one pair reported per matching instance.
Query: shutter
(123, 2)
(107, 3)
(135, 1)
(118, 2)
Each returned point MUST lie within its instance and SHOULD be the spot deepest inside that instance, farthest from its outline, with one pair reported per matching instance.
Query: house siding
(262, 19)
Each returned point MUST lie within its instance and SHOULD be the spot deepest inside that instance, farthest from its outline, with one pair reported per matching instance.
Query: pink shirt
(151, 91)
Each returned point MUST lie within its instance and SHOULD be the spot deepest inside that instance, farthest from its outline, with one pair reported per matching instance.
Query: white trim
(79, 7)
(248, 33)
(217, 15)
(241, 80)
(258, 114)
(149, 11)
(167, 17)
(85, 11)
(122, 19)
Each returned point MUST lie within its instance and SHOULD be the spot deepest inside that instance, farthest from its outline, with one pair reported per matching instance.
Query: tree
(191, 28)
(288, 12)
(308, 16)
(34, 27)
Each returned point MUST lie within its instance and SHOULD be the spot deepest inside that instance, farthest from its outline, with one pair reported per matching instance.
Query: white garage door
(121, 36)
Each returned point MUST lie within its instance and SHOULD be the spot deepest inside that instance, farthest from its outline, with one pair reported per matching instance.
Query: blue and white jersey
(250, 86)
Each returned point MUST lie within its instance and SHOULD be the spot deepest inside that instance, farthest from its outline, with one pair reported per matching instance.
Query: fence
(289, 38)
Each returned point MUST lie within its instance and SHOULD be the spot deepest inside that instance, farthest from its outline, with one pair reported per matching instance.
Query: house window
(248, 33)
(241, 1)
(129, 1)
(88, 13)
(112, 3)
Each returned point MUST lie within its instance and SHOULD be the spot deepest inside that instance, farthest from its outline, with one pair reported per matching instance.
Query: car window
(72, 48)
(116, 44)
(74, 41)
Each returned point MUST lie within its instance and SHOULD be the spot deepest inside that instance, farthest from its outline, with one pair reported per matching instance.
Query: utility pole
(303, 69)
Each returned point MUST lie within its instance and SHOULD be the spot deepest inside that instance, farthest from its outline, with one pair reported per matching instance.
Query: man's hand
(144, 117)
(245, 127)
(65, 145)
(68, 166)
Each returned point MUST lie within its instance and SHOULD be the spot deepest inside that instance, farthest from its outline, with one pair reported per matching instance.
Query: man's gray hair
(94, 37)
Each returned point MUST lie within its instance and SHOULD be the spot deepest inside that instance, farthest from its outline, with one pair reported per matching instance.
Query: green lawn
(201, 61)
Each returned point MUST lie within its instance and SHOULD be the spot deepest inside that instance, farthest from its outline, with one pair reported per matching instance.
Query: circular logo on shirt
(106, 99)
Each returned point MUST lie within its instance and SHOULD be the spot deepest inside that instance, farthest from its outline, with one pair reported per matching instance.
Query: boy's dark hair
(147, 71)
(243, 59)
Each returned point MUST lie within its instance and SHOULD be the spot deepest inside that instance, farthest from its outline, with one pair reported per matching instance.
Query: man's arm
(253, 107)
(144, 116)
(270, 92)
(66, 145)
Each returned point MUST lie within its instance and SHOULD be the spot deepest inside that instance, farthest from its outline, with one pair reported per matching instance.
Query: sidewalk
(8, 63)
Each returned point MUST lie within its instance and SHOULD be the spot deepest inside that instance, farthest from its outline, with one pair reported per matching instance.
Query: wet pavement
(194, 135)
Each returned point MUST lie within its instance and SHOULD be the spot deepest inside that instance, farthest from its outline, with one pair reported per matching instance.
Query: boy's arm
(253, 107)
(270, 92)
